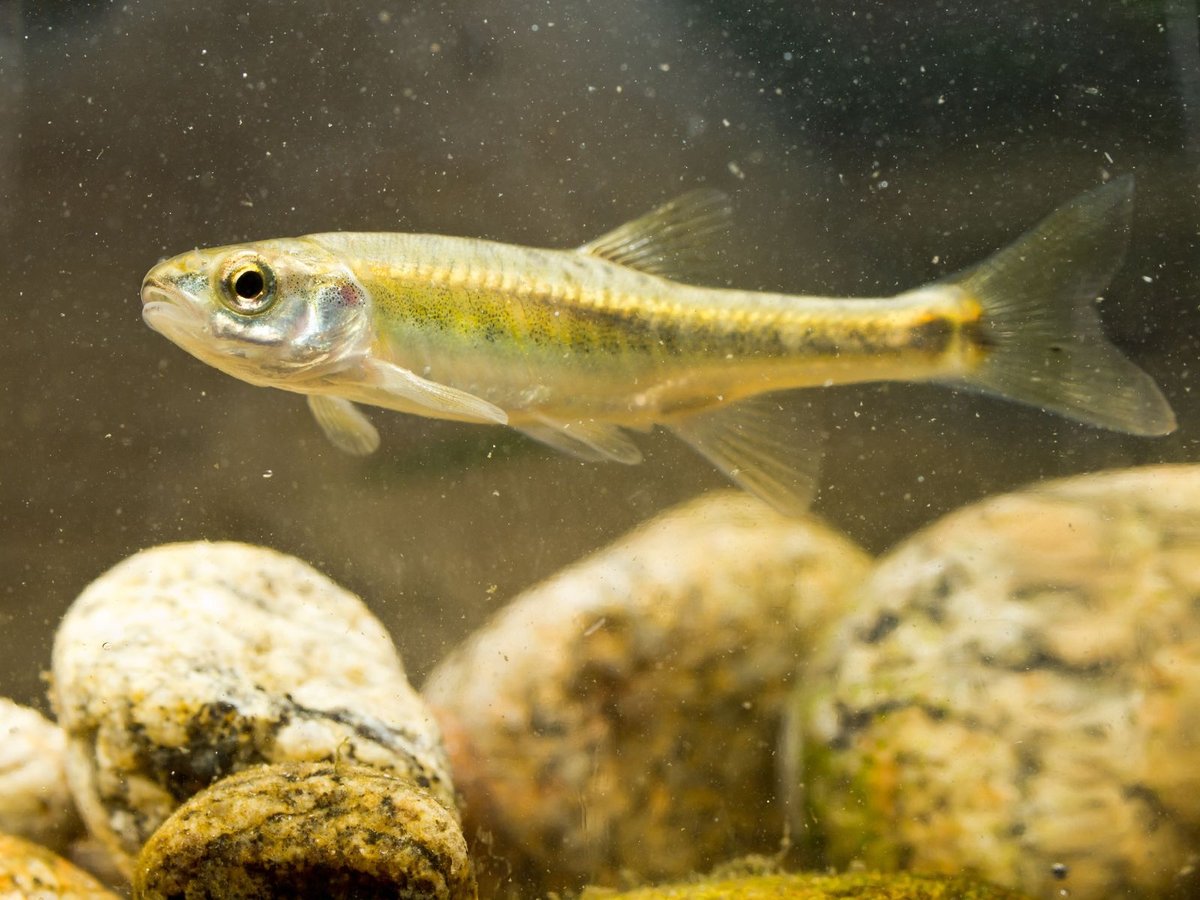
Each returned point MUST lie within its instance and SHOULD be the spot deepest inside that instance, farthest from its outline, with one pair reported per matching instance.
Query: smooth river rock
(623, 716)
(308, 830)
(189, 662)
(1018, 694)
(29, 871)
(35, 800)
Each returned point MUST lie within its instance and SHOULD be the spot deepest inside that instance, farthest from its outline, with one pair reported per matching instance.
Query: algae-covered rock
(28, 870)
(35, 801)
(866, 885)
(189, 662)
(308, 831)
(623, 716)
(1018, 694)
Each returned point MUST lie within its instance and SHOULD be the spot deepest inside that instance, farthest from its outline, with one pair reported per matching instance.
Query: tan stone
(308, 830)
(28, 870)
(623, 716)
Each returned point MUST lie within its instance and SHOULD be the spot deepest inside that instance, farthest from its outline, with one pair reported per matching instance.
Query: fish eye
(249, 286)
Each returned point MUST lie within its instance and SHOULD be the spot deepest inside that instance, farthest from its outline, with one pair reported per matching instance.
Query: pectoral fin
(440, 400)
(677, 240)
(587, 439)
(344, 424)
(771, 450)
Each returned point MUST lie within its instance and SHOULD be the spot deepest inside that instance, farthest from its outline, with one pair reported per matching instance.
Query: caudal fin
(1040, 331)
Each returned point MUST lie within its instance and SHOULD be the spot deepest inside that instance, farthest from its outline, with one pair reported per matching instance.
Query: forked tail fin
(1040, 332)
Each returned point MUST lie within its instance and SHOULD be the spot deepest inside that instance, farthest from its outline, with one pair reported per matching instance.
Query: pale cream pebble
(308, 830)
(29, 871)
(1017, 693)
(189, 662)
(35, 800)
(623, 716)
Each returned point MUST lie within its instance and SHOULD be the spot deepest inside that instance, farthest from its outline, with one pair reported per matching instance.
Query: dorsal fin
(677, 240)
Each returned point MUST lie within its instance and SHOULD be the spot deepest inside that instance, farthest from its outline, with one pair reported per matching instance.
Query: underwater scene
(627, 449)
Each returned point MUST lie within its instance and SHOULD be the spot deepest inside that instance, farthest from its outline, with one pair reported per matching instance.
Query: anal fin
(345, 426)
(585, 439)
(769, 448)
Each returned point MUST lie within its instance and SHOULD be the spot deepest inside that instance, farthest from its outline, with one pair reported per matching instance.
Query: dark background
(861, 141)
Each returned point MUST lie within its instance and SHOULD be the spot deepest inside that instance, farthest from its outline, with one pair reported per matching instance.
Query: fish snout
(154, 289)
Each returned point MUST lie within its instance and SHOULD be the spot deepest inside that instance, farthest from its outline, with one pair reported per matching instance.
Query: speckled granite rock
(308, 830)
(623, 715)
(189, 662)
(30, 871)
(1018, 694)
(35, 801)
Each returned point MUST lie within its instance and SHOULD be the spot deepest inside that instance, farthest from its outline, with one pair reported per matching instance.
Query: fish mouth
(164, 313)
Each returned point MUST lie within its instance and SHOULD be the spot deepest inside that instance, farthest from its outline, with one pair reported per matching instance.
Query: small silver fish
(576, 347)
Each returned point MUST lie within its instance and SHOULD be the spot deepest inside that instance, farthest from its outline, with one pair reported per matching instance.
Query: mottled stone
(308, 830)
(28, 870)
(623, 716)
(1018, 694)
(35, 801)
(188, 662)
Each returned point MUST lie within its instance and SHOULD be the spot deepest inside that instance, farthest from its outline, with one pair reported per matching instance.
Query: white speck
(736, 171)
(1147, 279)
(787, 56)
(595, 626)
(936, 260)
(495, 493)
(941, 99)
(664, 67)
(268, 473)
(725, 122)
(1109, 158)
(533, 28)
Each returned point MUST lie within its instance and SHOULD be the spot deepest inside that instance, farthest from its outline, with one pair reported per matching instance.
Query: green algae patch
(900, 886)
